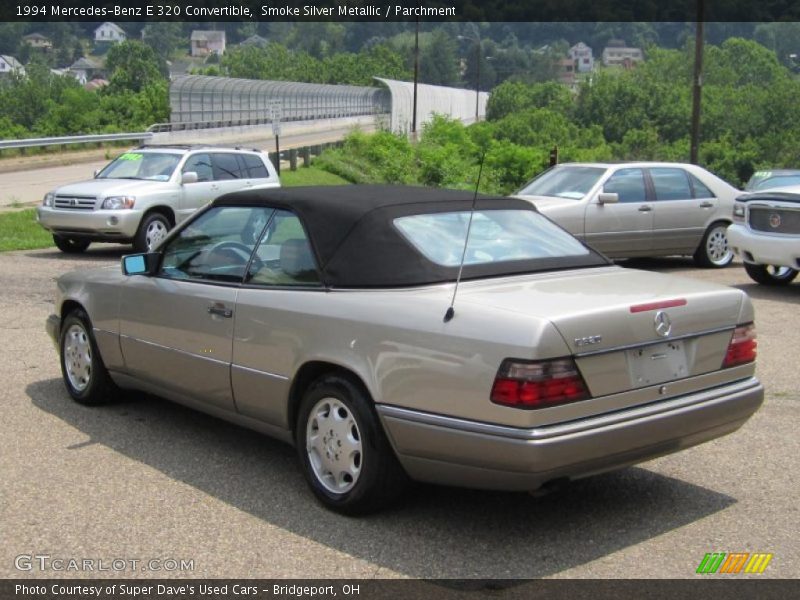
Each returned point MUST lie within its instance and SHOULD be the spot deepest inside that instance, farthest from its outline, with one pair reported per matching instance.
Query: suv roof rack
(182, 146)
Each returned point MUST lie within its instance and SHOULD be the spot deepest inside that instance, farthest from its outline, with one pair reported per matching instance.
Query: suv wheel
(70, 245)
(152, 230)
(770, 274)
(713, 251)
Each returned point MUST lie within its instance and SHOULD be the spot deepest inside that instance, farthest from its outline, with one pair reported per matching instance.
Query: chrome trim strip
(259, 372)
(184, 352)
(654, 342)
(572, 427)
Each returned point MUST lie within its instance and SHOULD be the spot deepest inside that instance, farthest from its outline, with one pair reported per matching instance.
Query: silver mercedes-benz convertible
(396, 333)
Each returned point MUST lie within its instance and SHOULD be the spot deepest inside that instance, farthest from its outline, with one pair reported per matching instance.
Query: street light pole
(477, 79)
(416, 78)
(694, 149)
(477, 41)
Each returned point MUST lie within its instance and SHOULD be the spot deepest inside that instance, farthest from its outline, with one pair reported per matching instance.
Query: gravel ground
(147, 479)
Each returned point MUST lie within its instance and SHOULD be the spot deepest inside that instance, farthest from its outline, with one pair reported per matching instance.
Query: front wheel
(770, 274)
(152, 230)
(85, 375)
(346, 458)
(70, 245)
(713, 251)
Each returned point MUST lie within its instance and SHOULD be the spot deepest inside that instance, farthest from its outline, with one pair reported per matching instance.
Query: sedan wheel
(770, 274)
(85, 376)
(333, 443)
(714, 250)
(346, 458)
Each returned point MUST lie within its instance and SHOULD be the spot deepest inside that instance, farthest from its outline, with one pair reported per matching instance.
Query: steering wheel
(239, 251)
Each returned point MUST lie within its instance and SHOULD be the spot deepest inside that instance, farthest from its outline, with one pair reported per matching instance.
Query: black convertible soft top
(357, 245)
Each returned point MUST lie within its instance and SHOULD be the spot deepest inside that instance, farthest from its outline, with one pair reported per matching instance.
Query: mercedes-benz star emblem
(663, 324)
(774, 220)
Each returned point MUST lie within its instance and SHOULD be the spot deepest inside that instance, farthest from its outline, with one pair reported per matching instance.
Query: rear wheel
(770, 274)
(153, 228)
(85, 375)
(346, 458)
(713, 251)
(70, 245)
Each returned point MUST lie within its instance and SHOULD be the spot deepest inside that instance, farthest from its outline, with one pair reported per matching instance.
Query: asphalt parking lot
(146, 479)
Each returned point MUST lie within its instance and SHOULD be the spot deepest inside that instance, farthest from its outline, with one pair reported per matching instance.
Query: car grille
(76, 202)
(775, 220)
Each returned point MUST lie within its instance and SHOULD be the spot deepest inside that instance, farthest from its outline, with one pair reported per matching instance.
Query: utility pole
(697, 83)
(416, 79)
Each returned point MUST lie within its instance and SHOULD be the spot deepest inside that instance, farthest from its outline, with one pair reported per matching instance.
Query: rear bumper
(452, 451)
(99, 225)
(764, 248)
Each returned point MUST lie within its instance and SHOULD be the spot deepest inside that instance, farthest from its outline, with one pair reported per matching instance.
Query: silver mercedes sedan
(399, 333)
(639, 209)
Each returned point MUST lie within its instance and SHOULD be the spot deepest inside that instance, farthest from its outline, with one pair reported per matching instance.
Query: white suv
(144, 193)
(766, 234)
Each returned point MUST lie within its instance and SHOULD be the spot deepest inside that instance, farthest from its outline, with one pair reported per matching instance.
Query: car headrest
(296, 257)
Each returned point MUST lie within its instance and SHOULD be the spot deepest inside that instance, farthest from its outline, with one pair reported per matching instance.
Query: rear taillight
(538, 384)
(742, 347)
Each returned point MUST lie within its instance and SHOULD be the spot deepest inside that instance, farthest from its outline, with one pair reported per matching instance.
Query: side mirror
(607, 198)
(189, 177)
(96, 173)
(140, 264)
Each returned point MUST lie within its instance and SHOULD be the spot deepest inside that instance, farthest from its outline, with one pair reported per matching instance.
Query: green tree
(133, 66)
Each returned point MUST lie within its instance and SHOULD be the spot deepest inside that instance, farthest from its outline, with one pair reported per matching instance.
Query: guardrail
(74, 139)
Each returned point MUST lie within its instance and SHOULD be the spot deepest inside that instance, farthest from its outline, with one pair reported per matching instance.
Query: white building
(618, 54)
(9, 64)
(109, 33)
(582, 56)
(207, 42)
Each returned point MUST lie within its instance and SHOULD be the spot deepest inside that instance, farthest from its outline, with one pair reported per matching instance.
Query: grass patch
(20, 231)
(310, 176)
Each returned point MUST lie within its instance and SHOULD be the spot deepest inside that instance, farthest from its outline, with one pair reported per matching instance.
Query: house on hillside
(581, 55)
(255, 40)
(565, 67)
(37, 40)
(618, 54)
(84, 70)
(107, 35)
(207, 42)
(9, 65)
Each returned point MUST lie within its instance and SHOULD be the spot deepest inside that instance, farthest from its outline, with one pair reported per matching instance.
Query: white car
(143, 193)
(639, 209)
(766, 234)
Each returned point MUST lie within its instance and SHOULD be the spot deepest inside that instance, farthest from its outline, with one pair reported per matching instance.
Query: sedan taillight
(538, 384)
(742, 347)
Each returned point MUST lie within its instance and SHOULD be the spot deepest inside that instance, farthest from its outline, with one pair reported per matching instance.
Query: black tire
(379, 480)
(153, 228)
(713, 251)
(770, 275)
(70, 245)
(85, 376)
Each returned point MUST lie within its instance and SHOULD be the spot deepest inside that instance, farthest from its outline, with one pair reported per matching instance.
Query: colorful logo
(734, 562)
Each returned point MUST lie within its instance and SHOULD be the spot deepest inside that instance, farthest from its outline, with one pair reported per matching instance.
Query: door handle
(645, 208)
(220, 310)
(706, 205)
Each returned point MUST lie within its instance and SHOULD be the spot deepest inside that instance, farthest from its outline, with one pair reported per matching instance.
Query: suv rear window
(254, 166)
(226, 166)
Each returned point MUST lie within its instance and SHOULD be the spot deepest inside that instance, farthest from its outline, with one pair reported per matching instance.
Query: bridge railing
(75, 139)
